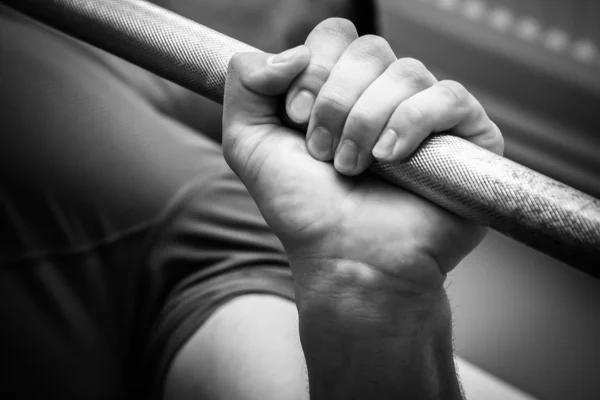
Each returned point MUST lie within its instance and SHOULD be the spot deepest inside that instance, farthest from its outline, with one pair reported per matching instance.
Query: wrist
(348, 296)
(366, 336)
(408, 271)
(377, 345)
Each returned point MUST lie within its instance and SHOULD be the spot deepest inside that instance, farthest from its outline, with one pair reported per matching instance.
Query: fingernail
(385, 145)
(346, 157)
(283, 57)
(301, 106)
(320, 143)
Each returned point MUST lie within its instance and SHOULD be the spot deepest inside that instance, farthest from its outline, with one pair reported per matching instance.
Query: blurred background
(521, 316)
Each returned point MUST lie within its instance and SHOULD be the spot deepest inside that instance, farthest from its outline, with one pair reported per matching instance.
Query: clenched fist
(369, 259)
(360, 104)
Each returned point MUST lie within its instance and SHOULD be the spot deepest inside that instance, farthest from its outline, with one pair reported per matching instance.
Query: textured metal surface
(449, 171)
(479, 185)
(152, 37)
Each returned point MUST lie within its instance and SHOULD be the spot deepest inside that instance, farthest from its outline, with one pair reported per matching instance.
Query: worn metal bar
(451, 172)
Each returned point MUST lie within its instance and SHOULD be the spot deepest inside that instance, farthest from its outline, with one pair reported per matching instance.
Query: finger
(364, 60)
(254, 82)
(403, 79)
(446, 106)
(327, 42)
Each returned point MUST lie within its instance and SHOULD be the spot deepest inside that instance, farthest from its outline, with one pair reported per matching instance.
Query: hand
(337, 223)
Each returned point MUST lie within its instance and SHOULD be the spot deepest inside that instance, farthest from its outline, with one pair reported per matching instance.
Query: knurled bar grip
(451, 172)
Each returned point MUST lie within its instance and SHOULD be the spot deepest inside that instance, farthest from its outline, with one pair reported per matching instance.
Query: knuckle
(333, 102)
(413, 72)
(244, 68)
(235, 63)
(252, 76)
(496, 139)
(318, 71)
(413, 114)
(414, 63)
(360, 121)
(455, 93)
(362, 114)
(339, 27)
(500, 146)
(372, 47)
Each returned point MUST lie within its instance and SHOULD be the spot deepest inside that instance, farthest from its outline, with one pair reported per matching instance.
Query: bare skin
(369, 260)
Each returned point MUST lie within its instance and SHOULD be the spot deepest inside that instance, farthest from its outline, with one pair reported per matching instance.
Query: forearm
(361, 344)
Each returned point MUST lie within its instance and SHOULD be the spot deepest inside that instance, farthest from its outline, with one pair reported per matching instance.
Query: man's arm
(369, 260)
(364, 344)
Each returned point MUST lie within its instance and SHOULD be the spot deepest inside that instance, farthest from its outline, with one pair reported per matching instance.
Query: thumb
(254, 83)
